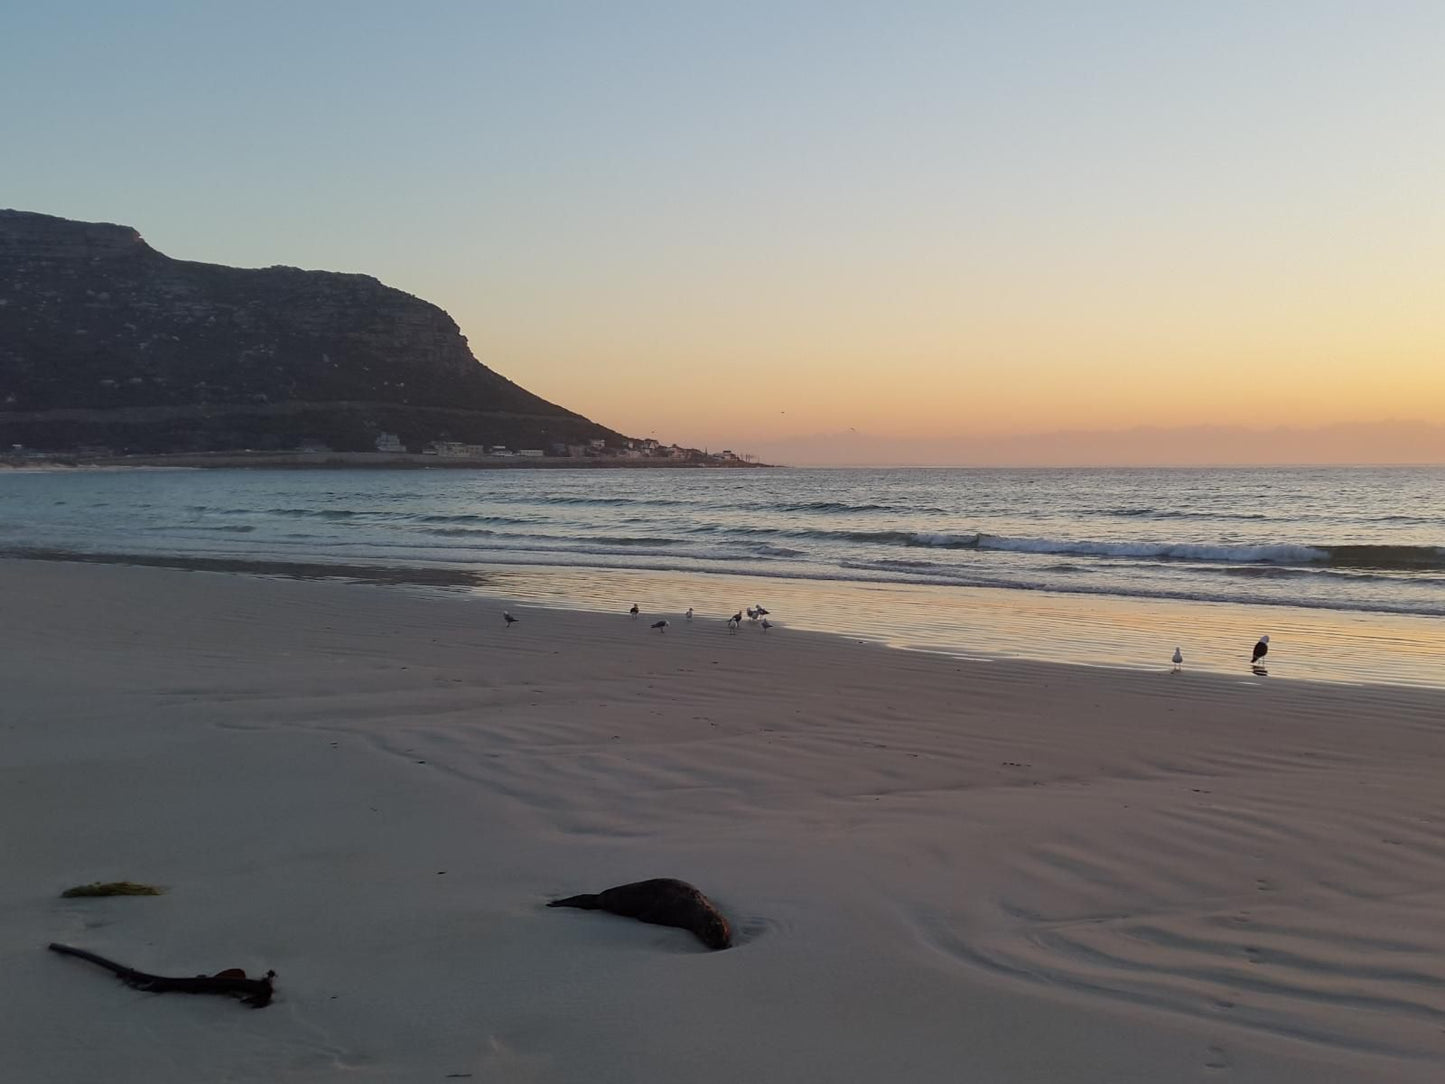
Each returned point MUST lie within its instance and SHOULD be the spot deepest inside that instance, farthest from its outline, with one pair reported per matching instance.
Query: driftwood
(233, 981)
(111, 888)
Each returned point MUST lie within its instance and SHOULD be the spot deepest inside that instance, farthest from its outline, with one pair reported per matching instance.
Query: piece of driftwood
(233, 981)
(112, 888)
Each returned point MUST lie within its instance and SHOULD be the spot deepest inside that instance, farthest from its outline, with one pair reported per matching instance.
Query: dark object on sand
(662, 901)
(112, 888)
(1261, 649)
(254, 992)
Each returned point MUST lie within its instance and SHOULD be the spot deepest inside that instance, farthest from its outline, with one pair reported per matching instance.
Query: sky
(766, 225)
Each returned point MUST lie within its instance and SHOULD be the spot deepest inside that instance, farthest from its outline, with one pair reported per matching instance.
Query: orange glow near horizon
(741, 223)
(1013, 357)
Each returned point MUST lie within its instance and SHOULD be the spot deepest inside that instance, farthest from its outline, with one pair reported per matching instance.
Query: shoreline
(1039, 871)
(362, 461)
(1116, 633)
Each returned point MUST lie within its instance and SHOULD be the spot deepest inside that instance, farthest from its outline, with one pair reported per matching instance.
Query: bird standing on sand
(634, 611)
(760, 611)
(767, 624)
(752, 614)
(737, 617)
(1178, 660)
(1261, 649)
(688, 615)
(733, 624)
(508, 618)
(660, 626)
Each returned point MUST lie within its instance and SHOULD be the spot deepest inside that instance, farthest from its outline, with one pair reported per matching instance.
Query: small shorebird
(760, 611)
(1261, 649)
(660, 626)
(634, 611)
(688, 615)
(737, 617)
(508, 618)
(1178, 660)
(733, 624)
(767, 624)
(752, 614)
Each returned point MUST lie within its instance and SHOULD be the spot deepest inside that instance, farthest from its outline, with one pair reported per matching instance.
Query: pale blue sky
(690, 217)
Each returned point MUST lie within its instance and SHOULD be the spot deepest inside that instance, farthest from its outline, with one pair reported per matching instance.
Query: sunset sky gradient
(733, 224)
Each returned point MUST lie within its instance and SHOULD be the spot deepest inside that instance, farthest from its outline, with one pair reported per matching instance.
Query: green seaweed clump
(112, 888)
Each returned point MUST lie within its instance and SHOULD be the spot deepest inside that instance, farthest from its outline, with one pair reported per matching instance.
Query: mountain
(106, 342)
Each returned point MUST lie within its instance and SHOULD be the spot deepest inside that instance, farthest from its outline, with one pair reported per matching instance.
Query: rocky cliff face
(104, 340)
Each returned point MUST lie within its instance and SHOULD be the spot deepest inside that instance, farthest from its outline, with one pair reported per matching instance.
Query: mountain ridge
(106, 341)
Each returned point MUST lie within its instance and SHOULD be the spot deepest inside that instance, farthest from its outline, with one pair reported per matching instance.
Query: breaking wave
(1378, 557)
(1396, 558)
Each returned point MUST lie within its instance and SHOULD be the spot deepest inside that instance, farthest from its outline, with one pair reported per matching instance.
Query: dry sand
(939, 870)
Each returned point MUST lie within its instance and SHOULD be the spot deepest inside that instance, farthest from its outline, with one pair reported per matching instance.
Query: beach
(936, 868)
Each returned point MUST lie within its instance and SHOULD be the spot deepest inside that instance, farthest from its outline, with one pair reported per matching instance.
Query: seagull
(760, 611)
(1178, 660)
(660, 626)
(737, 618)
(508, 618)
(733, 624)
(634, 611)
(1261, 649)
(767, 624)
(752, 614)
(688, 615)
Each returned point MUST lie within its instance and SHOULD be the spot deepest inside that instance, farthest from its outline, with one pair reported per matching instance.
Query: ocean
(1109, 567)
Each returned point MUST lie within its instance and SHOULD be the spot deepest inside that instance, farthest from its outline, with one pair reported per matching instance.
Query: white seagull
(660, 626)
(1178, 660)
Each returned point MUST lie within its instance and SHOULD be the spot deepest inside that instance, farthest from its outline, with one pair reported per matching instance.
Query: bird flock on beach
(1256, 658)
(758, 615)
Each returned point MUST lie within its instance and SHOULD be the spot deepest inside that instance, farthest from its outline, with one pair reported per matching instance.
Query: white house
(455, 449)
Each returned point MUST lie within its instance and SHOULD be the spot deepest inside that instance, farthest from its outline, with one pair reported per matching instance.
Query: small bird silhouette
(733, 623)
(767, 624)
(737, 617)
(509, 619)
(1261, 649)
(1178, 660)
(760, 611)
(688, 615)
(634, 611)
(660, 626)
